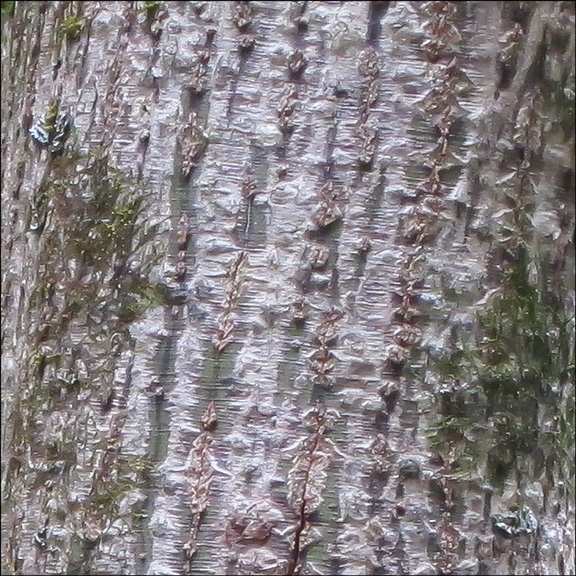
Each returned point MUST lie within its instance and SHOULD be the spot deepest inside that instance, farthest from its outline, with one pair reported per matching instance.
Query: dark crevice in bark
(298, 554)
(294, 566)
(376, 12)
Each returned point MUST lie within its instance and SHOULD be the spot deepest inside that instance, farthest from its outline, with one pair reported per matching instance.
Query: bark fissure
(307, 482)
(294, 567)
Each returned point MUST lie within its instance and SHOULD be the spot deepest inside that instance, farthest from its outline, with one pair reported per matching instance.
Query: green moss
(8, 9)
(520, 368)
(138, 464)
(107, 501)
(96, 235)
(498, 469)
(449, 428)
(59, 450)
(150, 9)
(523, 332)
(40, 361)
(151, 6)
(129, 474)
(71, 28)
(51, 115)
(130, 308)
(102, 219)
(453, 365)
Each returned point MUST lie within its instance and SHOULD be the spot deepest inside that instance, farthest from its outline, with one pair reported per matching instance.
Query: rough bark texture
(295, 296)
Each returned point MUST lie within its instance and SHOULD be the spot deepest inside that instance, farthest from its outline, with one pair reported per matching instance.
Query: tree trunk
(287, 288)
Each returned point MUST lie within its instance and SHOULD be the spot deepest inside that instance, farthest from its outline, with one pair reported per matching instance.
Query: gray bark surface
(296, 296)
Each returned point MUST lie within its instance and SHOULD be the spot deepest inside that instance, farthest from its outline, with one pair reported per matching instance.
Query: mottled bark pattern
(294, 295)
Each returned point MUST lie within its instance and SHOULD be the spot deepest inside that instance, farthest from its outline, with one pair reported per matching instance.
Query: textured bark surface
(296, 296)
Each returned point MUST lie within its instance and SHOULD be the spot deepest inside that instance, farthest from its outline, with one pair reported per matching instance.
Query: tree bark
(287, 288)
